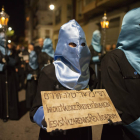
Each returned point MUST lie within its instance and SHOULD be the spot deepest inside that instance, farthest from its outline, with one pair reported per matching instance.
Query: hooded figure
(96, 49)
(96, 41)
(70, 71)
(47, 54)
(6, 55)
(72, 60)
(121, 79)
(32, 75)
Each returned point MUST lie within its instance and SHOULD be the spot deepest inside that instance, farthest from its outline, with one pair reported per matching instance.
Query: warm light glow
(104, 22)
(6, 21)
(27, 18)
(107, 24)
(9, 41)
(52, 7)
(2, 8)
(3, 20)
(10, 29)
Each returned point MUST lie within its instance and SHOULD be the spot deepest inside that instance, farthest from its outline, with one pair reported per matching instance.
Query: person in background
(39, 48)
(6, 55)
(96, 55)
(19, 69)
(32, 75)
(113, 47)
(69, 71)
(108, 48)
(47, 54)
(121, 78)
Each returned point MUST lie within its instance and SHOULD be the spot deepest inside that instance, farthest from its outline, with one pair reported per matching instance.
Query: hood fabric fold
(2, 42)
(48, 47)
(33, 60)
(129, 38)
(96, 41)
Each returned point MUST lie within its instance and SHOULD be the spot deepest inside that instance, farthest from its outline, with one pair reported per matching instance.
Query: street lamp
(4, 18)
(52, 7)
(104, 24)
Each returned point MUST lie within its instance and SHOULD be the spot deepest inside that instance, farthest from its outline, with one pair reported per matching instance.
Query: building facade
(62, 13)
(39, 20)
(88, 13)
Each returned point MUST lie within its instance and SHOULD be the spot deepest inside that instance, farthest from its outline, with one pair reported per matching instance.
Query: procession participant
(96, 56)
(121, 78)
(47, 54)
(6, 55)
(70, 71)
(39, 48)
(20, 69)
(32, 75)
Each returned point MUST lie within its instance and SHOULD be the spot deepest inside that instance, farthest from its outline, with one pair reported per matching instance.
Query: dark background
(15, 9)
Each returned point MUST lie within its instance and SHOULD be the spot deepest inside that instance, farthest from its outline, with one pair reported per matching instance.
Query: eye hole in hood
(73, 45)
(83, 44)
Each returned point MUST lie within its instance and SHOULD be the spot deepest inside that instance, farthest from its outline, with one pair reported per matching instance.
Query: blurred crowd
(20, 67)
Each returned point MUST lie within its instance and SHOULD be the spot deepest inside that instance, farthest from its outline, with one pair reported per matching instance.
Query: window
(80, 7)
(47, 33)
(69, 12)
(58, 16)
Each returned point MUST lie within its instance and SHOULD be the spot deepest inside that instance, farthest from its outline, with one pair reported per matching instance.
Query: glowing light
(104, 22)
(9, 41)
(4, 18)
(52, 7)
(10, 29)
(0, 26)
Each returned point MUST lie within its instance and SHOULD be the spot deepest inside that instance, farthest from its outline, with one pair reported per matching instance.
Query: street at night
(69, 70)
(22, 129)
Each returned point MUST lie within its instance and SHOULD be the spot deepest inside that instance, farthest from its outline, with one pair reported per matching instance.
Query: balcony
(89, 5)
(94, 8)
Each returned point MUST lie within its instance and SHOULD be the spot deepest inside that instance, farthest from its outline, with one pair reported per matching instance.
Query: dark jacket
(49, 82)
(123, 85)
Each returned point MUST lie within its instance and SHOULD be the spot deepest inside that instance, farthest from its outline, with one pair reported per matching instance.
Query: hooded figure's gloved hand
(116, 123)
(58, 132)
(39, 118)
